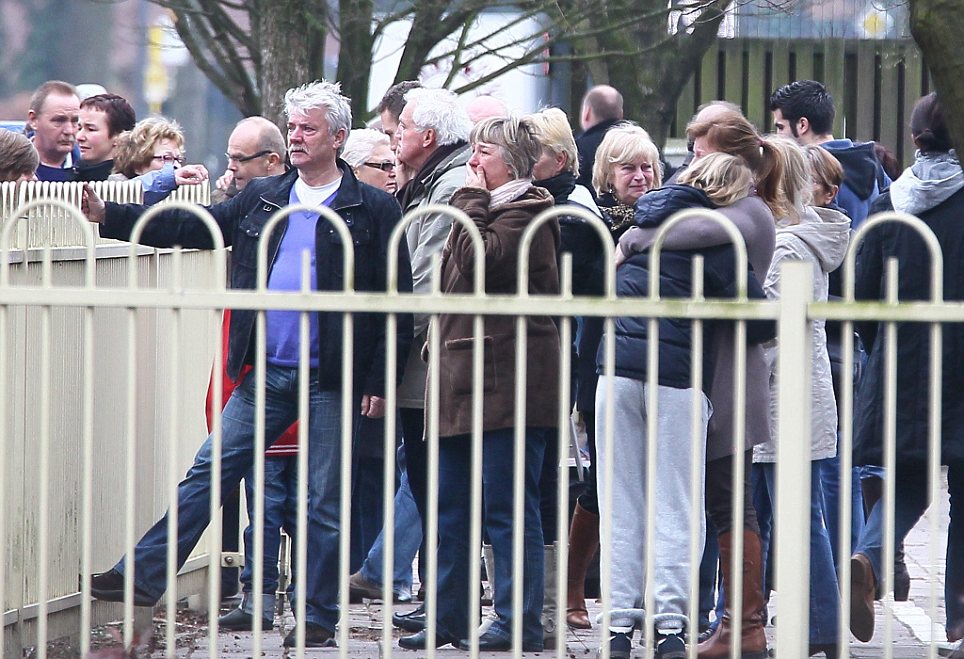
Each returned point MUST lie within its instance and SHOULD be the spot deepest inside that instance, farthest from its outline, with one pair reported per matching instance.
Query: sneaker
(620, 645)
(316, 636)
(109, 587)
(670, 646)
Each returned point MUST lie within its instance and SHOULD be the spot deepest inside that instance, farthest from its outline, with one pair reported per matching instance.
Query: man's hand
(372, 406)
(92, 206)
(224, 181)
(190, 175)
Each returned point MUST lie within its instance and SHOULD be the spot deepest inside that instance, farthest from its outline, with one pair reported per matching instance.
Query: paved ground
(912, 630)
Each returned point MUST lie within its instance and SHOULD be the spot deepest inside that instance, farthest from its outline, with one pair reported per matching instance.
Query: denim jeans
(454, 552)
(830, 477)
(237, 456)
(824, 593)
(280, 512)
(910, 503)
(408, 538)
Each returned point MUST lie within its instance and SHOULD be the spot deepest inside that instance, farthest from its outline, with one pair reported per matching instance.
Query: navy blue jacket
(675, 281)
(370, 214)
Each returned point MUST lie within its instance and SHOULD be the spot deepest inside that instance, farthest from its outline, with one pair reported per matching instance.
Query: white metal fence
(105, 351)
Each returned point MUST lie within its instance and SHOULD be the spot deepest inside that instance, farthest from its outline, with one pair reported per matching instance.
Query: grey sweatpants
(674, 504)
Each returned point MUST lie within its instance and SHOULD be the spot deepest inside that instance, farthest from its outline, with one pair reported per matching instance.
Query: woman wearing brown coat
(500, 200)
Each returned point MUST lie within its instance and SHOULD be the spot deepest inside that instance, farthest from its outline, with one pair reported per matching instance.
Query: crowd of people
(795, 195)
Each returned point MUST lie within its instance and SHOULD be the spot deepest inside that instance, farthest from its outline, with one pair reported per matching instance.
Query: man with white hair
(319, 119)
(432, 141)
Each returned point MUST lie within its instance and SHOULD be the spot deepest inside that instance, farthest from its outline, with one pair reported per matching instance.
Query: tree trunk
(286, 31)
(355, 55)
(936, 26)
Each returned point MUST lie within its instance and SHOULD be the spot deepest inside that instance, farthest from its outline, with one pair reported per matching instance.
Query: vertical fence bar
(697, 460)
(172, 467)
(565, 438)
(792, 517)
(43, 501)
(890, 461)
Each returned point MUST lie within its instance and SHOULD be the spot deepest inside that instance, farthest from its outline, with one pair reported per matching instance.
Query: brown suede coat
(502, 237)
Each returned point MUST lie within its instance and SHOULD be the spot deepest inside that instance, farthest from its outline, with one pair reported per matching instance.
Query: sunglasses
(241, 159)
(386, 166)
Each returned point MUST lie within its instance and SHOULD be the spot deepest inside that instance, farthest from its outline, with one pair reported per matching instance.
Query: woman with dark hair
(933, 190)
(501, 201)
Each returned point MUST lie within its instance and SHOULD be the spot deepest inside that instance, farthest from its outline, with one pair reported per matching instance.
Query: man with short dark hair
(602, 108)
(319, 119)
(392, 104)
(804, 110)
(53, 117)
(102, 119)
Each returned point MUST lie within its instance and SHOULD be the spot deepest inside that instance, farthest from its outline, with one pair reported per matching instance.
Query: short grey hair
(515, 139)
(361, 144)
(439, 109)
(321, 94)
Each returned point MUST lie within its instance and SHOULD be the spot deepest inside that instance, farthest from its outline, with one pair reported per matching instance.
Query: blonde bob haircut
(551, 127)
(135, 148)
(826, 171)
(624, 143)
(724, 178)
(515, 139)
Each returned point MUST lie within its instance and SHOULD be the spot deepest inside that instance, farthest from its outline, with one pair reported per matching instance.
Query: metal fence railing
(105, 351)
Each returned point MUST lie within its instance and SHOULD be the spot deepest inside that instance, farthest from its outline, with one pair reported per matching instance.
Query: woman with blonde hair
(820, 239)
(627, 166)
(153, 153)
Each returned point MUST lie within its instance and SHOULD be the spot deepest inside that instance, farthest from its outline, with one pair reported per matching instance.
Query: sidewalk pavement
(911, 633)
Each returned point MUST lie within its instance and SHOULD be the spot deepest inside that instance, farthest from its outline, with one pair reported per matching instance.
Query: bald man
(485, 106)
(602, 108)
(255, 148)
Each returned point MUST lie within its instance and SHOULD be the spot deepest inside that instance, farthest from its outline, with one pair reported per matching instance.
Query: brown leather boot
(753, 641)
(583, 543)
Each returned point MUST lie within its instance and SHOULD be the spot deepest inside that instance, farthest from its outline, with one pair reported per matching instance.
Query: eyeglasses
(386, 166)
(169, 159)
(240, 159)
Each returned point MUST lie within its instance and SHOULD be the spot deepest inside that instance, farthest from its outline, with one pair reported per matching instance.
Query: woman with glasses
(153, 154)
(369, 153)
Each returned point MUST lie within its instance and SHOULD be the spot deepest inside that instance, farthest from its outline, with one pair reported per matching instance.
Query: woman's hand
(475, 178)
(190, 175)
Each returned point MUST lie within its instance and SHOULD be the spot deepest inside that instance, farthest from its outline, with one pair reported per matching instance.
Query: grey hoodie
(928, 182)
(821, 239)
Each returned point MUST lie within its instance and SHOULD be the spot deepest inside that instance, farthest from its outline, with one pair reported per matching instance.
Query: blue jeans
(280, 512)
(824, 593)
(910, 503)
(830, 477)
(408, 538)
(237, 457)
(454, 552)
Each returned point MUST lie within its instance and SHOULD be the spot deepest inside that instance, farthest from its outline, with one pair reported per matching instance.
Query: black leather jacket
(370, 214)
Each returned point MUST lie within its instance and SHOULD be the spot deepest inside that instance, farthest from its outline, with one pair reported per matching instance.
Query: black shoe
(620, 645)
(413, 621)
(419, 641)
(670, 646)
(237, 620)
(490, 642)
(109, 587)
(316, 636)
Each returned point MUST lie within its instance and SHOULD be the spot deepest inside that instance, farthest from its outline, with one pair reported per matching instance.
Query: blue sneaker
(670, 646)
(620, 645)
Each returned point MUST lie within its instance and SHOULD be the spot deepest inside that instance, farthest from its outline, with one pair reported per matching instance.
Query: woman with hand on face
(627, 167)
(153, 154)
(369, 153)
(501, 201)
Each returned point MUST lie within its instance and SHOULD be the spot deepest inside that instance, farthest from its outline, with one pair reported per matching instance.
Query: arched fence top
(72, 212)
(736, 239)
(458, 217)
(596, 222)
(202, 213)
(914, 223)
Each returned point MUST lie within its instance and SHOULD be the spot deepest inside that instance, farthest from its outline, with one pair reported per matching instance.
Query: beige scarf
(507, 192)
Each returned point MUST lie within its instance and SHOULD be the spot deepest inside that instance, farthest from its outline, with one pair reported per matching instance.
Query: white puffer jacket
(821, 239)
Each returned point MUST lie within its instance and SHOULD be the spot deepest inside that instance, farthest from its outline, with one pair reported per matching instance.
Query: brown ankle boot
(753, 641)
(583, 543)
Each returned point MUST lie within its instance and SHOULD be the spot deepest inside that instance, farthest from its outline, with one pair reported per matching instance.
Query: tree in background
(936, 26)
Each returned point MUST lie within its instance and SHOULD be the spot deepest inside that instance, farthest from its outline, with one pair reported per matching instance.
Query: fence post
(792, 516)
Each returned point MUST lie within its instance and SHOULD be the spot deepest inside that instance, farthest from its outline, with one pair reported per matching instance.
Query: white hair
(361, 144)
(321, 94)
(439, 110)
